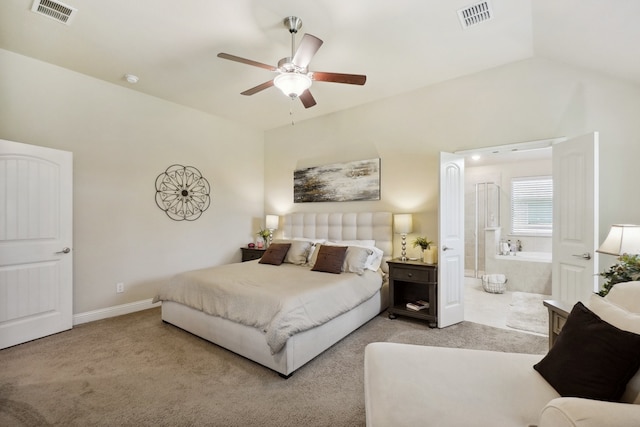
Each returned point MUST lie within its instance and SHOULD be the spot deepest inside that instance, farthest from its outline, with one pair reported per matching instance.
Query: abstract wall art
(339, 182)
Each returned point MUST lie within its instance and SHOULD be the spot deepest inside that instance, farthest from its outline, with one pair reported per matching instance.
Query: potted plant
(626, 270)
(423, 242)
(428, 253)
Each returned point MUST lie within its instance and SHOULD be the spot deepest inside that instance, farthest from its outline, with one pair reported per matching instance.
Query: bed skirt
(251, 343)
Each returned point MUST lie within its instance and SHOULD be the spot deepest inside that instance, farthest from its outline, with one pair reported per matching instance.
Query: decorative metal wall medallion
(182, 192)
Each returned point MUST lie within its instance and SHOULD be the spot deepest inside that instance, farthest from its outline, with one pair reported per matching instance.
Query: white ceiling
(401, 46)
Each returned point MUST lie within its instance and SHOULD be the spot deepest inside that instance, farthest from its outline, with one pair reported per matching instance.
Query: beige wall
(121, 141)
(528, 100)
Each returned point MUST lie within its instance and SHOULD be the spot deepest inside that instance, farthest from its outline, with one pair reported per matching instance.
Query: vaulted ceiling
(401, 46)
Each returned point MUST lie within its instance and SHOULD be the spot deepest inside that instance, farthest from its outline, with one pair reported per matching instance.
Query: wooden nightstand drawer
(414, 274)
(249, 254)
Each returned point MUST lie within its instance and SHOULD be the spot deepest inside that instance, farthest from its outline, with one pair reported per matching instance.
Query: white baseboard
(117, 310)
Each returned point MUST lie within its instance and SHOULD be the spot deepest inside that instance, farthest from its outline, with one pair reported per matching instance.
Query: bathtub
(527, 256)
(525, 271)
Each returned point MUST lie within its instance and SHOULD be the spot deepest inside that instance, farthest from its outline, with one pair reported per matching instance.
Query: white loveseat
(410, 385)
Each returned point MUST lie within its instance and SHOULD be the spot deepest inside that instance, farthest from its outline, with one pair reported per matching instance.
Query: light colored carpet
(135, 370)
(528, 313)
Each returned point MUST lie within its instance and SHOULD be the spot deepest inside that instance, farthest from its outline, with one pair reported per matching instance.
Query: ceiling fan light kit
(294, 78)
(292, 84)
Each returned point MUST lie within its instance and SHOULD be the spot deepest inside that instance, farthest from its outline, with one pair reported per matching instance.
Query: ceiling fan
(294, 78)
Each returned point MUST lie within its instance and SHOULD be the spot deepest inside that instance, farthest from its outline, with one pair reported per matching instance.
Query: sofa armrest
(576, 412)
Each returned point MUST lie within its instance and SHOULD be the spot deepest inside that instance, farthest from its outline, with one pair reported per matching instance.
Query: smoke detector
(475, 14)
(55, 10)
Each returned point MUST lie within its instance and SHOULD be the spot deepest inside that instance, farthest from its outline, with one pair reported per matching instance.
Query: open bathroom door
(451, 241)
(575, 218)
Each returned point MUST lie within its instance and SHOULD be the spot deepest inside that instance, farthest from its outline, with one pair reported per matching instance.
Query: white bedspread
(279, 300)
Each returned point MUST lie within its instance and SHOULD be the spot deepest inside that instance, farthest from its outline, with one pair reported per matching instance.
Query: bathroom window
(532, 205)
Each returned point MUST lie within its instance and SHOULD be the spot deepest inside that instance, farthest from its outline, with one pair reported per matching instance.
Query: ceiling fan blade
(253, 90)
(246, 61)
(307, 99)
(308, 47)
(352, 79)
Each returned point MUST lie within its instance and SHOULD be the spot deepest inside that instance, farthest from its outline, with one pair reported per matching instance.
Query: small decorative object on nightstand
(414, 283)
(249, 254)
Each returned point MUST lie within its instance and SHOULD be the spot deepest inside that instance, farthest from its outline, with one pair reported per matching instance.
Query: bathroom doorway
(488, 181)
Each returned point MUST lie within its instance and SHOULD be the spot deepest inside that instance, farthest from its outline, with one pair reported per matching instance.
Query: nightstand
(249, 254)
(558, 313)
(410, 281)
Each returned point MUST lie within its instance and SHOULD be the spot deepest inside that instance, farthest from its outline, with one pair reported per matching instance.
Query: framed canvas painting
(339, 182)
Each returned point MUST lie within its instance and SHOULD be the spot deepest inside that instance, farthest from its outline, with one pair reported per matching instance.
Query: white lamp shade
(272, 222)
(622, 239)
(402, 223)
(292, 84)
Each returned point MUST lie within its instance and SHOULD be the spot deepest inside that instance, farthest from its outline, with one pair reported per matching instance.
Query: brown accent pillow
(330, 259)
(591, 358)
(275, 253)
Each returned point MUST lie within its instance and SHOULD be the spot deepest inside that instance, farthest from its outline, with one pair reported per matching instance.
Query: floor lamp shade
(622, 239)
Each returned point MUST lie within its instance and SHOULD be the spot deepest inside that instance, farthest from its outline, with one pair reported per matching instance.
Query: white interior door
(451, 241)
(575, 218)
(36, 290)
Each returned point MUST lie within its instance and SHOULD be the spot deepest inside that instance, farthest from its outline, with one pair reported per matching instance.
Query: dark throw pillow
(330, 259)
(275, 253)
(591, 358)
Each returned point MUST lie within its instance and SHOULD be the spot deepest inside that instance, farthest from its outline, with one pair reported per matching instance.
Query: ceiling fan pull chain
(291, 112)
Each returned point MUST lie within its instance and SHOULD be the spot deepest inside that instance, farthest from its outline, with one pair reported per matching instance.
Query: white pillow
(375, 258)
(355, 259)
(298, 251)
(314, 243)
(626, 295)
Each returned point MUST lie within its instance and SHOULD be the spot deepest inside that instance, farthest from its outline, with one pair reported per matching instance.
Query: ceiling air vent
(54, 10)
(475, 14)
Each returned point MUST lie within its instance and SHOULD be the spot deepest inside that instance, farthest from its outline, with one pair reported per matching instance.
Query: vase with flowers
(263, 237)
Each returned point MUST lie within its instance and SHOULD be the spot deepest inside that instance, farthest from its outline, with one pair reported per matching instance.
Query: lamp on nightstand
(271, 222)
(403, 225)
(622, 239)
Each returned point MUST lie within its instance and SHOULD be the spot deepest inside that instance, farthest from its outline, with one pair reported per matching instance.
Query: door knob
(445, 248)
(585, 255)
(64, 251)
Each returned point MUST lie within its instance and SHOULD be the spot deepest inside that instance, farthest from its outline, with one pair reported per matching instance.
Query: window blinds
(532, 205)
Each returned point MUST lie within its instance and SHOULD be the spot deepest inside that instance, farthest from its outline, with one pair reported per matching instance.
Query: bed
(287, 349)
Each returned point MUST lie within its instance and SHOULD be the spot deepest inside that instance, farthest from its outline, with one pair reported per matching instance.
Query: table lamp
(271, 221)
(403, 225)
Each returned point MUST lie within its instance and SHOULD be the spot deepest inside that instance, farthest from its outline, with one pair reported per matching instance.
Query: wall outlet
(119, 287)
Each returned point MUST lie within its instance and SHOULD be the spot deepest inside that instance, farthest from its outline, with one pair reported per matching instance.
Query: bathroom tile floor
(485, 308)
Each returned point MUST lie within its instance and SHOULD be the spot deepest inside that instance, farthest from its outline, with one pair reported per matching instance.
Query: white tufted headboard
(376, 226)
